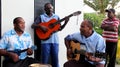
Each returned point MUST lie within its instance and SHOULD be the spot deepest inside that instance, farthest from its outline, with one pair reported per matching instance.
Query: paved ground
(117, 65)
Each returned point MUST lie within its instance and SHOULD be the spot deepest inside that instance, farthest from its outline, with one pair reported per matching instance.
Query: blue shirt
(92, 44)
(11, 42)
(45, 18)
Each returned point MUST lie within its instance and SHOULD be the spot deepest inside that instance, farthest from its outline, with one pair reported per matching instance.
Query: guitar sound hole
(73, 55)
(51, 26)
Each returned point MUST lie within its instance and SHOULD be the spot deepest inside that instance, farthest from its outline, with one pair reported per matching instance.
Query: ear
(90, 28)
(14, 25)
(45, 9)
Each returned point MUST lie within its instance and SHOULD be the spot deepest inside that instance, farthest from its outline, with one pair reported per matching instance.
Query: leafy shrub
(118, 16)
(96, 19)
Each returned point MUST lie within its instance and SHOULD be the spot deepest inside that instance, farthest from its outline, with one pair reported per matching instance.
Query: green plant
(96, 19)
(118, 16)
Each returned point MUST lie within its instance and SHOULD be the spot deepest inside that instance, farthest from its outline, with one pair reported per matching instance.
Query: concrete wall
(64, 8)
(15, 8)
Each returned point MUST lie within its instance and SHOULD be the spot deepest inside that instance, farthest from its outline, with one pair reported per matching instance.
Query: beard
(49, 12)
(19, 29)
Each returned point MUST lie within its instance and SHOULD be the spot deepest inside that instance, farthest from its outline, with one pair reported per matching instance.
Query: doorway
(39, 9)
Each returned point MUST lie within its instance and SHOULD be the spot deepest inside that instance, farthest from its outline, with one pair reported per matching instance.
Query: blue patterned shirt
(12, 42)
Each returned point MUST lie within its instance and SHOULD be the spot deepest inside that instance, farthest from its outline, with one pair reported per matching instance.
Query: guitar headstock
(76, 13)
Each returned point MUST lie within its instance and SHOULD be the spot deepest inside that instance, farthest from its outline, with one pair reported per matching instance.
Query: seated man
(15, 45)
(90, 43)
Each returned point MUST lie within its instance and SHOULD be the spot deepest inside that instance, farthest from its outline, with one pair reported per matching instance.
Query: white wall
(25, 9)
(64, 8)
(15, 8)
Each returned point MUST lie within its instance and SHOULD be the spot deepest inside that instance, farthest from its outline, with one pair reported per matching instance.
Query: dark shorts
(21, 63)
(74, 63)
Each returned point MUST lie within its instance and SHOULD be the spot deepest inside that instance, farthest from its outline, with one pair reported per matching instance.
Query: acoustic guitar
(52, 26)
(76, 52)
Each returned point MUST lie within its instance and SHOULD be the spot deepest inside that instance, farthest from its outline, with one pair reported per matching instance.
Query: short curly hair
(16, 20)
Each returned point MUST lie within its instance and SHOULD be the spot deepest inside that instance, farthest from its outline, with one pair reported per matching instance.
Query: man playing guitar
(92, 41)
(49, 46)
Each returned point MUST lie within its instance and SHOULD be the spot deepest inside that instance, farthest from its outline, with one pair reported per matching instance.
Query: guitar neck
(73, 14)
(59, 21)
(97, 54)
(65, 17)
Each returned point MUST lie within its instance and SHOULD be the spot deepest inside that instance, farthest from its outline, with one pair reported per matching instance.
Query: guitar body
(74, 46)
(77, 51)
(50, 27)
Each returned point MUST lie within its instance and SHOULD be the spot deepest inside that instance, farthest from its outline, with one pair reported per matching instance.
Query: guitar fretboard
(96, 54)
